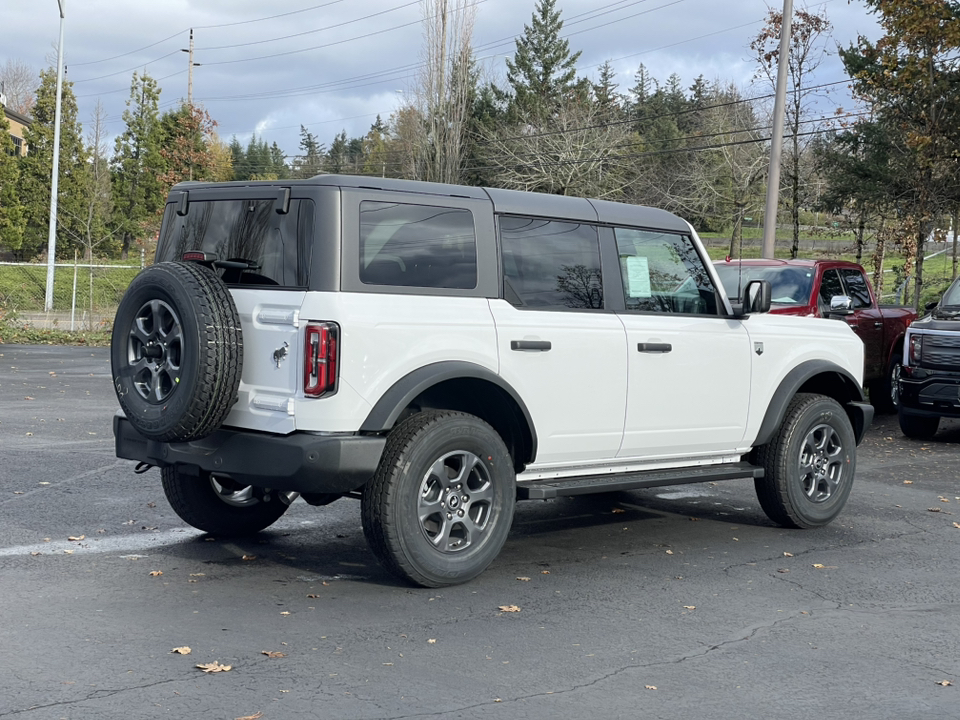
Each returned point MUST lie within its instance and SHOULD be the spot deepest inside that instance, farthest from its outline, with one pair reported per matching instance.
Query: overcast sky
(335, 64)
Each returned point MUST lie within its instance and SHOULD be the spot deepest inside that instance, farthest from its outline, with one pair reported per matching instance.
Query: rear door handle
(541, 345)
(654, 347)
(878, 324)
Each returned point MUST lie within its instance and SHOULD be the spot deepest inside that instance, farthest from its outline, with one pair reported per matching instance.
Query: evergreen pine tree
(137, 163)
(12, 220)
(542, 71)
(36, 169)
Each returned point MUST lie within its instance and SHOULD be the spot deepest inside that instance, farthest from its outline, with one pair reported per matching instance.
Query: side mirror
(756, 296)
(841, 305)
(931, 305)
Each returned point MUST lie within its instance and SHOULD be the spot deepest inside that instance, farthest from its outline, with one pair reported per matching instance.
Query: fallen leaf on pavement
(908, 482)
(945, 683)
(934, 509)
(650, 687)
(523, 579)
(272, 654)
(690, 607)
(818, 565)
(214, 667)
(249, 557)
(669, 552)
(618, 510)
(256, 716)
(956, 525)
(432, 641)
(544, 572)
(156, 573)
(786, 554)
(783, 570)
(76, 538)
(284, 612)
(509, 608)
(181, 650)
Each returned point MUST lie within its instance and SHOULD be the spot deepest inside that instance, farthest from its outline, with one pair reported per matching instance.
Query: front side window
(417, 246)
(548, 264)
(857, 288)
(830, 287)
(663, 273)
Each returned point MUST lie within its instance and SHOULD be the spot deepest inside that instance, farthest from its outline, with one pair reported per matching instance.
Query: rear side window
(251, 230)
(551, 264)
(417, 246)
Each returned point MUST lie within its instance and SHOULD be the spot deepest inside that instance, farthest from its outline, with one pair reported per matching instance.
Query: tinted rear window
(251, 230)
(424, 246)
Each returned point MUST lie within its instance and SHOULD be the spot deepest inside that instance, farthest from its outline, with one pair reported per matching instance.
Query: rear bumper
(298, 462)
(930, 393)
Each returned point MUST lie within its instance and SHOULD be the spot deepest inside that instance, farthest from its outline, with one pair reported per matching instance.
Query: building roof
(14, 115)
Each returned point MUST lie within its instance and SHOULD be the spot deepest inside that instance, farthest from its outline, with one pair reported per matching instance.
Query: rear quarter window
(425, 246)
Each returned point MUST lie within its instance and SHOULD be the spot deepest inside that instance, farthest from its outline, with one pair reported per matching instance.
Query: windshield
(789, 285)
(952, 295)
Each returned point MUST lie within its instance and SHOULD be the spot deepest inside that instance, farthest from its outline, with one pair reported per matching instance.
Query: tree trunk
(736, 237)
(956, 229)
(861, 225)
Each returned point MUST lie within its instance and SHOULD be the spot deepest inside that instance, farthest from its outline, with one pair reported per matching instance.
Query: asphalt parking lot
(668, 603)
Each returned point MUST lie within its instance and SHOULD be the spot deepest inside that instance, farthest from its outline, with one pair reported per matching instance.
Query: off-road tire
(793, 492)
(185, 314)
(195, 499)
(920, 427)
(884, 392)
(395, 523)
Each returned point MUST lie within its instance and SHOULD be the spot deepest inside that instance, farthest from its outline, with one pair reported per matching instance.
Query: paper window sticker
(638, 277)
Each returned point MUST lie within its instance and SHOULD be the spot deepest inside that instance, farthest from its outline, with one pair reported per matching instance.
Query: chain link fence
(85, 294)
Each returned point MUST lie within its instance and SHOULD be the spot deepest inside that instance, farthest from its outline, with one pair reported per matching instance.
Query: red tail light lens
(320, 360)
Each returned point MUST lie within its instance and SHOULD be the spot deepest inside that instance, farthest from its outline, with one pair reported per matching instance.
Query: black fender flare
(855, 405)
(385, 412)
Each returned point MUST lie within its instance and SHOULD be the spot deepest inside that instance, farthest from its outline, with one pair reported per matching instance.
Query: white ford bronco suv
(440, 352)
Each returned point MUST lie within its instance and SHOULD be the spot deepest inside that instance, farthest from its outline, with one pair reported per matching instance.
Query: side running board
(545, 489)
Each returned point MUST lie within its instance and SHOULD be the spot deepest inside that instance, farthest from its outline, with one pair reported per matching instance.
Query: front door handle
(541, 345)
(654, 347)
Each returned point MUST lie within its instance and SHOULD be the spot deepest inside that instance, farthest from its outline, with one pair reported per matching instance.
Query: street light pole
(55, 175)
(776, 140)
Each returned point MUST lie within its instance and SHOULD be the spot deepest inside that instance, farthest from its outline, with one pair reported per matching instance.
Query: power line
(204, 27)
(310, 32)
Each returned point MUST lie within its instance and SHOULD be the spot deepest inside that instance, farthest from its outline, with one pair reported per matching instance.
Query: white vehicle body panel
(693, 399)
(385, 337)
(576, 391)
(271, 325)
(787, 342)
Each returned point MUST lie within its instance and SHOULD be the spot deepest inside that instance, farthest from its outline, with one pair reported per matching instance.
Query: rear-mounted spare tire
(176, 352)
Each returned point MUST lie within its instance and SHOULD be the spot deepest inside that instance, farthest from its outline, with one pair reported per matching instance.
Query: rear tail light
(915, 345)
(320, 359)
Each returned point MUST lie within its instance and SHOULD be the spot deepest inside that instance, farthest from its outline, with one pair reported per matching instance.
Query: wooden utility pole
(190, 68)
(776, 140)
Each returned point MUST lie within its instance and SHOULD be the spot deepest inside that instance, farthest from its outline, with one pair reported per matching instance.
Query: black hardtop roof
(512, 202)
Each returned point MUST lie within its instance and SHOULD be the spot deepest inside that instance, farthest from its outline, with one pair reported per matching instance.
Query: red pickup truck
(809, 287)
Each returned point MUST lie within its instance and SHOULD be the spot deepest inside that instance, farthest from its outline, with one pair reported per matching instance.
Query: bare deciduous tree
(578, 155)
(442, 94)
(19, 85)
(809, 36)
